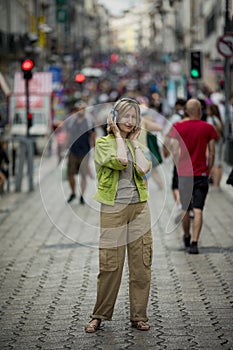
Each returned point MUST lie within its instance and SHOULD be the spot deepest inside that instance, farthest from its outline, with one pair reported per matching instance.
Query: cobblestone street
(49, 265)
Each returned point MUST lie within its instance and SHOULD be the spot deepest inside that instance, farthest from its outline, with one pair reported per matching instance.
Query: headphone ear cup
(112, 113)
(116, 115)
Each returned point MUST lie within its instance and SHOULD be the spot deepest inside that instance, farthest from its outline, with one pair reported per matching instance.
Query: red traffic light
(114, 57)
(27, 64)
(80, 78)
(29, 120)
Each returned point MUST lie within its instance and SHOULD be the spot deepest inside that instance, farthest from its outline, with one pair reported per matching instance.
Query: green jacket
(108, 167)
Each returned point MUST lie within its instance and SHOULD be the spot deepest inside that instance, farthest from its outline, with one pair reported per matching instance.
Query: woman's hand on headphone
(113, 125)
(135, 134)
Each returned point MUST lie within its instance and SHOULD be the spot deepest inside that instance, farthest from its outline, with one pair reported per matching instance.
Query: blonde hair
(120, 108)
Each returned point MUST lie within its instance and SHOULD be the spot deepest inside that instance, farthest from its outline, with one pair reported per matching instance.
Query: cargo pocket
(108, 259)
(147, 249)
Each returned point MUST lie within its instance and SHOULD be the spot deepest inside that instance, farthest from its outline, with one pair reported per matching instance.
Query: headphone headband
(128, 99)
(115, 113)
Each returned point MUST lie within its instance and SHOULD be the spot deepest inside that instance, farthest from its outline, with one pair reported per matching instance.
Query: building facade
(79, 33)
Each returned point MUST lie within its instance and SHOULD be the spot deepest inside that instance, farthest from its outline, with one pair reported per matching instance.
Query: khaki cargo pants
(124, 227)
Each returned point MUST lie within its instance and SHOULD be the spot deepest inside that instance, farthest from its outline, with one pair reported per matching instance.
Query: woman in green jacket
(124, 216)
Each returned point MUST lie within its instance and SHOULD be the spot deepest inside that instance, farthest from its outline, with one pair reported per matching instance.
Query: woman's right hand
(113, 125)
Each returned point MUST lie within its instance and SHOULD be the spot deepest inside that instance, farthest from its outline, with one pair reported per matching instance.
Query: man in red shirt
(193, 151)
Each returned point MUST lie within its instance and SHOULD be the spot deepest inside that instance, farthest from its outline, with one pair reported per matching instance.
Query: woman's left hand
(135, 134)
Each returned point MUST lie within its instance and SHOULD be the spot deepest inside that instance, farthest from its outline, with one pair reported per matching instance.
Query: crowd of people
(154, 136)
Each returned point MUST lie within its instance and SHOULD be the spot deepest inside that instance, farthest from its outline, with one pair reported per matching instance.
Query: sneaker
(71, 198)
(186, 240)
(82, 200)
(193, 248)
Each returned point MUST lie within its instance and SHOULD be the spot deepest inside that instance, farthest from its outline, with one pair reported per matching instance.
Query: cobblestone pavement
(49, 265)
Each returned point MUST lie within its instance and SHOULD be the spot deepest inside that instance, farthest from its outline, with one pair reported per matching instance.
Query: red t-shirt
(193, 137)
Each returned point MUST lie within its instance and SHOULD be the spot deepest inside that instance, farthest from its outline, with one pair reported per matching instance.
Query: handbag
(153, 146)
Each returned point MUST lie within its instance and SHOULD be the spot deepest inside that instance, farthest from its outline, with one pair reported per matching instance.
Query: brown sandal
(93, 327)
(140, 325)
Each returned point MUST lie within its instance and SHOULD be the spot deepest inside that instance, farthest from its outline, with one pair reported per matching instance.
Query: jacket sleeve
(106, 154)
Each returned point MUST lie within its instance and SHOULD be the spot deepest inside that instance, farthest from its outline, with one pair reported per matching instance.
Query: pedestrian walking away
(4, 165)
(81, 137)
(124, 217)
(192, 137)
(179, 115)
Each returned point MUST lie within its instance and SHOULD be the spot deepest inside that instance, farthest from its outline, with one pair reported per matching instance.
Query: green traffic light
(195, 73)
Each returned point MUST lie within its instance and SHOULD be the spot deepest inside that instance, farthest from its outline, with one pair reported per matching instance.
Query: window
(210, 25)
(19, 118)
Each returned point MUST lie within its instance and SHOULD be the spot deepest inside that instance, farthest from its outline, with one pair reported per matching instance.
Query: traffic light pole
(27, 104)
(26, 143)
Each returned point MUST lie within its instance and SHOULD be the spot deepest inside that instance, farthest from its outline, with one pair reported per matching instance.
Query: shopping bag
(152, 144)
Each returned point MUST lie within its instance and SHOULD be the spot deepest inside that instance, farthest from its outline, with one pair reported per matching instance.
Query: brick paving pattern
(48, 280)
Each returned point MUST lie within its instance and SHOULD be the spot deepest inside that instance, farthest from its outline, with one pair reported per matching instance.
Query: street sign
(225, 45)
(175, 68)
(61, 15)
(41, 83)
